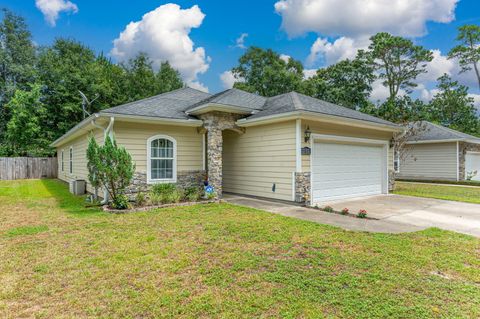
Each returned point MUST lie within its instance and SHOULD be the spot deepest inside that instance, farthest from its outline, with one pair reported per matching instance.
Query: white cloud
(52, 8)
(227, 79)
(341, 49)
(355, 18)
(285, 57)
(240, 42)
(164, 35)
(308, 73)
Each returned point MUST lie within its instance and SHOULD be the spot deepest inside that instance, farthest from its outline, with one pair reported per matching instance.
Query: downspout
(107, 132)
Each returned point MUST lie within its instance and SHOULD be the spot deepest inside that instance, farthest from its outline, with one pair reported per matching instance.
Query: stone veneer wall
(184, 179)
(463, 149)
(391, 180)
(302, 187)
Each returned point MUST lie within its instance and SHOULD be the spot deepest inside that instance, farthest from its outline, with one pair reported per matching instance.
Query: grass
(219, 261)
(455, 193)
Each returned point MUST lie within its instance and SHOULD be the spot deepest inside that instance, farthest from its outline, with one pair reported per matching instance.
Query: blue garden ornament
(209, 189)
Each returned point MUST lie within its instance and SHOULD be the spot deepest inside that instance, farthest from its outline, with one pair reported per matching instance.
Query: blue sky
(317, 32)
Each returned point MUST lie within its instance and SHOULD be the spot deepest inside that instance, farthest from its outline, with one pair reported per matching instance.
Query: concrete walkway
(315, 215)
(395, 213)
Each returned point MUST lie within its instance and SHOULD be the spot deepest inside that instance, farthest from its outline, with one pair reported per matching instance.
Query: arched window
(161, 159)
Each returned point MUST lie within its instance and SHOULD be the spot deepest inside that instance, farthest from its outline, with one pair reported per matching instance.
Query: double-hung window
(71, 161)
(161, 161)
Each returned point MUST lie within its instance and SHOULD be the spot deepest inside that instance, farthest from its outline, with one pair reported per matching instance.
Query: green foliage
(17, 60)
(468, 51)
(362, 213)
(120, 202)
(113, 169)
(140, 199)
(398, 60)
(192, 194)
(165, 194)
(347, 83)
(24, 135)
(264, 72)
(93, 162)
(401, 109)
(453, 108)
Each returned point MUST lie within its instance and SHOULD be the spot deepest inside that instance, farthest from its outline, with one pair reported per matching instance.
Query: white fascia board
(435, 141)
(306, 115)
(86, 123)
(211, 107)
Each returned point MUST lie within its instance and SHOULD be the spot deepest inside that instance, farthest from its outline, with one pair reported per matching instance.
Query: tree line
(40, 100)
(395, 61)
(39, 86)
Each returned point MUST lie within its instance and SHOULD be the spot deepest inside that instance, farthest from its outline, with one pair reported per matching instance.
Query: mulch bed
(146, 208)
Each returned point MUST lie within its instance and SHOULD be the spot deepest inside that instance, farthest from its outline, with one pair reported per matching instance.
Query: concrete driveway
(394, 213)
(418, 211)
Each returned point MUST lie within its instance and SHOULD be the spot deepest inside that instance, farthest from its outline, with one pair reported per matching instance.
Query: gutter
(307, 115)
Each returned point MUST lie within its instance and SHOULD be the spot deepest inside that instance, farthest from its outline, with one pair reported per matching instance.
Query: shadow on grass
(68, 202)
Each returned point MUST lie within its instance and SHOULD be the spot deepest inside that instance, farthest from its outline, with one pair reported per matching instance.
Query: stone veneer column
(215, 123)
(214, 158)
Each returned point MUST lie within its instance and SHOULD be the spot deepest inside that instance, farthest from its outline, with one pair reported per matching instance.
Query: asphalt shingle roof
(176, 104)
(294, 101)
(432, 132)
(235, 97)
(167, 105)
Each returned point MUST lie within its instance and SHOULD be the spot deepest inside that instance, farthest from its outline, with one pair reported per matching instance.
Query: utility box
(77, 187)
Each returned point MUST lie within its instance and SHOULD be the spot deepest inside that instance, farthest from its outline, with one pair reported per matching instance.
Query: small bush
(163, 188)
(155, 199)
(120, 202)
(345, 211)
(211, 196)
(328, 209)
(173, 197)
(140, 199)
(192, 194)
(362, 213)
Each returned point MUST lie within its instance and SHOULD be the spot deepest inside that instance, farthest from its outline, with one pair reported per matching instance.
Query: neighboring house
(440, 153)
(289, 147)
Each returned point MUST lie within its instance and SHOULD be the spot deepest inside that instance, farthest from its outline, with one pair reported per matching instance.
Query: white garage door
(347, 170)
(472, 164)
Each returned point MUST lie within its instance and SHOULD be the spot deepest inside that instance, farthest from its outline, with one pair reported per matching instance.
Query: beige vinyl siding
(133, 136)
(79, 148)
(430, 161)
(263, 156)
(342, 130)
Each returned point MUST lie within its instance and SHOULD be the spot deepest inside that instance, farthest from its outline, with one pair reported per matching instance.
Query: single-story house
(439, 153)
(289, 147)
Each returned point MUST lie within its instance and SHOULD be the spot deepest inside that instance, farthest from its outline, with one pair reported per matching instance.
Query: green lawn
(455, 193)
(59, 259)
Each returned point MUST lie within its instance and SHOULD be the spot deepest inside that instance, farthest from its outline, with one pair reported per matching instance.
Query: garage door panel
(346, 170)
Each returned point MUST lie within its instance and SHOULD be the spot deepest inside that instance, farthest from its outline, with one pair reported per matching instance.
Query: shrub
(166, 193)
(120, 202)
(345, 211)
(155, 199)
(328, 209)
(111, 167)
(140, 199)
(163, 188)
(362, 213)
(192, 194)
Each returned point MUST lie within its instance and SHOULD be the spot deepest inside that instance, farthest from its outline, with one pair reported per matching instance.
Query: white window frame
(70, 161)
(396, 158)
(150, 180)
(63, 161)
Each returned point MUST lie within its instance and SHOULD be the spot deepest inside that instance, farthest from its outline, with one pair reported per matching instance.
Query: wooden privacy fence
(28, 167)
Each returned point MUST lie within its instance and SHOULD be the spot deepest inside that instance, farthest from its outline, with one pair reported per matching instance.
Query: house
(440, 153)
(288, 147)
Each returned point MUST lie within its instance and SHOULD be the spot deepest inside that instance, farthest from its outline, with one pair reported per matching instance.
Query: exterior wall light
(307, 134)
